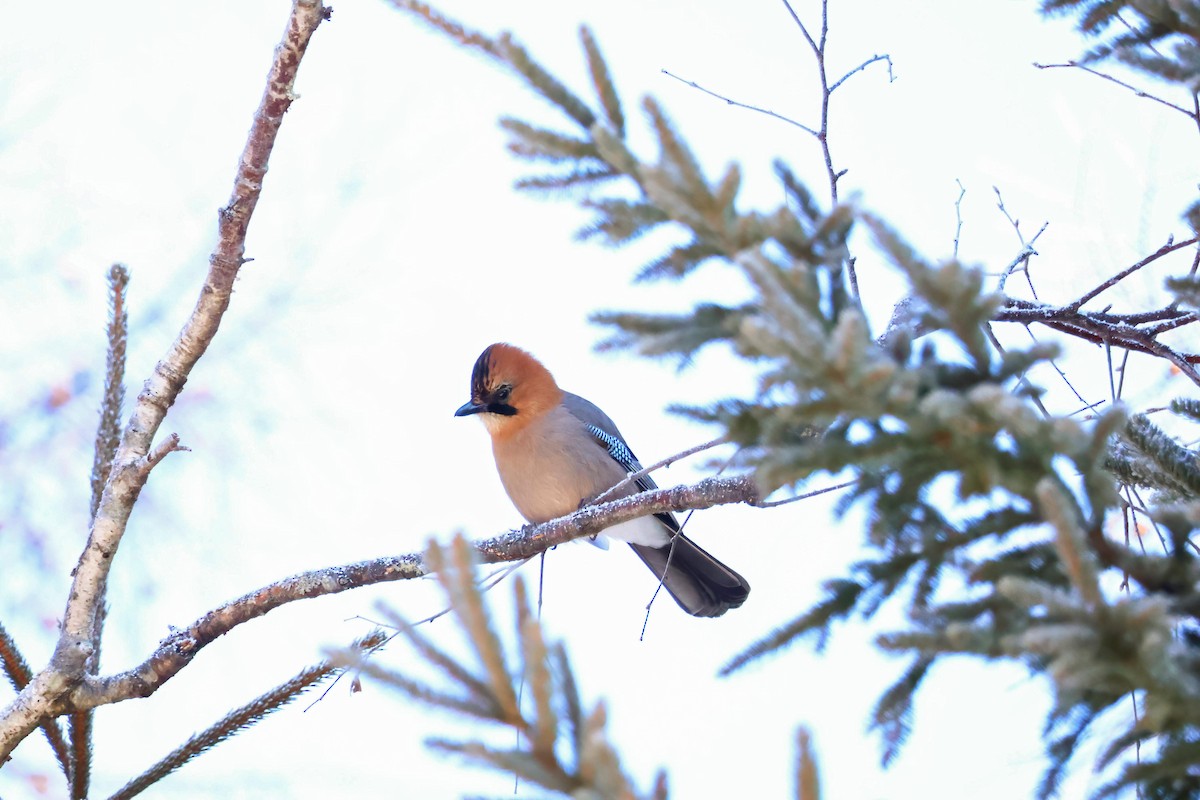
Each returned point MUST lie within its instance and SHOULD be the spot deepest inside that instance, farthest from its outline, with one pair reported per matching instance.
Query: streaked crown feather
(507, 374)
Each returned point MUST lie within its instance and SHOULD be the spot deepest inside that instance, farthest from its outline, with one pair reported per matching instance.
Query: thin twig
(163, 449)
(671, 553)
(1129, 27)
(1053, 363)
(1123, 369)
(746, 106)
(632, 477)
(958, 220)
(1024, 381)
(1166, 249)
(1195, 116)
(864, 65)
(805, 496)
(1027, 251)
(485, 584)
(808, 37)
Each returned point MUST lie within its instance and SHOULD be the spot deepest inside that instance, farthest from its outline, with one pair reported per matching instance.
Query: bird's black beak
(468, 408)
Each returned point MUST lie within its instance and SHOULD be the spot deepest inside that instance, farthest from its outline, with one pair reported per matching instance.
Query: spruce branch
(17, 670)
(470, 686)
(1186, 407)
(241, 718)
(552, 725)
(1069, 540)
(108, 433)
(566, 181)
(1069, 727)
(893, 713)
(79, 731)
(1175, 468)
(539, 144)
(107, 439)
(453, 29)
(454, 569)
(541, 80)
(1186, 290)
(606, 92)
(927, 429)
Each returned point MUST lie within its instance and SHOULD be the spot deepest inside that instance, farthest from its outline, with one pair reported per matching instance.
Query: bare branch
(805, 495)
(747, 106)
(1166, 249)
(958, 220)
(807, 36)
(1103, 328)
(1027, 251)
(43, 696)
(1139, 92)
(864, 65)
(178, 649)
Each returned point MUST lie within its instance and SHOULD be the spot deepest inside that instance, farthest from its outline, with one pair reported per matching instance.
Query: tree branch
(1195, 117)
(747, 106)
(42, 697)
(1117, 330)
(178, 649)
(1169, 247)
(633, 477)
(877, 57)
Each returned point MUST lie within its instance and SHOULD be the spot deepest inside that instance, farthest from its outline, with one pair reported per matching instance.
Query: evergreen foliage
(1163, 38)
(966, 480)
(243, 717)
(561, 747)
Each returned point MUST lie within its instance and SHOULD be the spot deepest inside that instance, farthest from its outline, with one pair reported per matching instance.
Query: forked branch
(45, 695)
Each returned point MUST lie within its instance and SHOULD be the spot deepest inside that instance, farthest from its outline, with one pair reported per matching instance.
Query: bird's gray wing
(700, 584)
(604, 431)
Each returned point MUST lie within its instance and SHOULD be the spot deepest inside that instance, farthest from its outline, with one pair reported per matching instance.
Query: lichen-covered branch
(177, 650)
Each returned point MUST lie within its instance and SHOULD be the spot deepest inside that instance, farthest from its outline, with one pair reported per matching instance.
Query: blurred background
(389, 249)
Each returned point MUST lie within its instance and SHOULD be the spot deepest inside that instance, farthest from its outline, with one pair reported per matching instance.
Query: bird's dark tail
(701, 585)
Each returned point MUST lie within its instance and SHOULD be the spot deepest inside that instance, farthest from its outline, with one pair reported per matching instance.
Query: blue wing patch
(620, 452)
(617, 449)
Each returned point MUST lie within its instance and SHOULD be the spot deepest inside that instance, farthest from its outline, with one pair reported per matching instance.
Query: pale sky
(390, 249)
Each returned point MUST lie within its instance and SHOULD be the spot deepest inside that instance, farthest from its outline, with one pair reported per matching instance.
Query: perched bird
(554, 450)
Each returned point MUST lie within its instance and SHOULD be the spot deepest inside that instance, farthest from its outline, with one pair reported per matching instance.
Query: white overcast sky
(390, 249)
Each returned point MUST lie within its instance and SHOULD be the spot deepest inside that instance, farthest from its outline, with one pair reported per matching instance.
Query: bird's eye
(503, 392)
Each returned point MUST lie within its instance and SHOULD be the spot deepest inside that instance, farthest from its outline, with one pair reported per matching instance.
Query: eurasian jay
(554, 450)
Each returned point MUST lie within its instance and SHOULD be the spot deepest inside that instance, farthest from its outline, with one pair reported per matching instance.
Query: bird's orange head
(509, 389)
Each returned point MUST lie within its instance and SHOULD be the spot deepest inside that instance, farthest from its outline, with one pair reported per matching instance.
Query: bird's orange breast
(550, 466)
